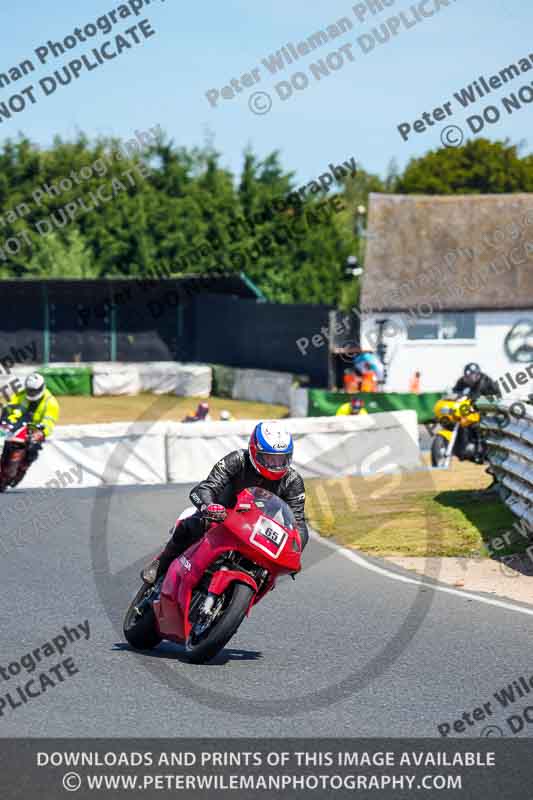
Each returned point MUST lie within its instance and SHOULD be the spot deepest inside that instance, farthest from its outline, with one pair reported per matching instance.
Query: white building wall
(441, 362)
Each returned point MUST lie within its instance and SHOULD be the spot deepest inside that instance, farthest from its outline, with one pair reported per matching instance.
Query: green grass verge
(409, 523)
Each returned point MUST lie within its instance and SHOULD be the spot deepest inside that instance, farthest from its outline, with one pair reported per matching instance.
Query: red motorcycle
(208, 590)
(15, 435)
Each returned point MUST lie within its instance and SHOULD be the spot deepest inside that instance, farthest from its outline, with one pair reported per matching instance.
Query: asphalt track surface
(342, 651)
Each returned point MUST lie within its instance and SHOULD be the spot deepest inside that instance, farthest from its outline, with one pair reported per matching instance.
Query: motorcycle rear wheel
(199, 651)
(439, 447)
(141, 631)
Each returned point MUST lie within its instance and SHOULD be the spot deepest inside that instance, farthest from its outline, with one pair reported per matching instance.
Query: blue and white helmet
(366, 361)
(271, 448)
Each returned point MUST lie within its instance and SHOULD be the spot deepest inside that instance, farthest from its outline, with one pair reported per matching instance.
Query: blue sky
(353, 112)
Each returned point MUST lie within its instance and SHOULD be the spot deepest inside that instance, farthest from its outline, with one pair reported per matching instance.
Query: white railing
(508, 431)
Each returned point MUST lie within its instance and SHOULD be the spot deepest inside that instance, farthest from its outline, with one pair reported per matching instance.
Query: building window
(423, 330)
(459, 325)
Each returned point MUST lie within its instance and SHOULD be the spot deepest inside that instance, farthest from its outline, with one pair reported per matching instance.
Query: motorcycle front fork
(451, 445)
(469, 438)
(151, 595)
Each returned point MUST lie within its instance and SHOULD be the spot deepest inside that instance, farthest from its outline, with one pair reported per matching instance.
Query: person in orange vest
(351, 382)
(369, 367)
(414, 383)
(369, 382)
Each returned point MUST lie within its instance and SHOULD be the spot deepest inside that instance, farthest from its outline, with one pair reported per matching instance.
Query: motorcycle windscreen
(272, 506)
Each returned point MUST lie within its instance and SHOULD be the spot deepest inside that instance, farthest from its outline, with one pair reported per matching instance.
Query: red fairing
(224, 577)
(259, 539)
(14, 455)
(20, 435)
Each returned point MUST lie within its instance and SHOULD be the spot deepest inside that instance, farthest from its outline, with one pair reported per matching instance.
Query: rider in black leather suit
(229, 476)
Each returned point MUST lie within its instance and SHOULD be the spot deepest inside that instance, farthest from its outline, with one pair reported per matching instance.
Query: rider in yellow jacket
(38, 406)
(37, 402)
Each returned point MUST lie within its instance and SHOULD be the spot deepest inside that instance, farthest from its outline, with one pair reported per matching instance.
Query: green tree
(53, 257)
(183, 213)
(478, 167)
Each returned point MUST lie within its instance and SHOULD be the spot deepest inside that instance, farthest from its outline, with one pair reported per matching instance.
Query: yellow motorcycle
(458, 432)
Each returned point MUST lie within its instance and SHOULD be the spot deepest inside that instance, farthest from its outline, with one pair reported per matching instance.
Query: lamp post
(360, 229)
(352, 269)
(381, 347)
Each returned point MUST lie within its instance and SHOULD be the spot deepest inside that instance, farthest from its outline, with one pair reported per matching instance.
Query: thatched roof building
(462, 252)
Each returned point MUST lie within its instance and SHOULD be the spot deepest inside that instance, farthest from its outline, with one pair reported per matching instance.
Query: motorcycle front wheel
(13, 467)
(140, 629)
(4, 479)
(439, 448)
(204, 643)
(5, 473)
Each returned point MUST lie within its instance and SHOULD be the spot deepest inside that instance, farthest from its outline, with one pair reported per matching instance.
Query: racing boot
(184, 533)
(157, 568)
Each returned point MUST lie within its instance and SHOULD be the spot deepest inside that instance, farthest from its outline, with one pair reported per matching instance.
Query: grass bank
(416, 514)
(77, 410)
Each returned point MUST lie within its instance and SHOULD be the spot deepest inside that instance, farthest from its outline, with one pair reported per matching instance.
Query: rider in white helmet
(36, 404)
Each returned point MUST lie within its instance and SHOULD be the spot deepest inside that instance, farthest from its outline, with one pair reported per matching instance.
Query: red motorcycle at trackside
(15, 436)
(213, 585)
